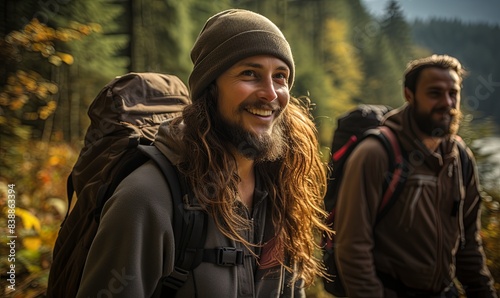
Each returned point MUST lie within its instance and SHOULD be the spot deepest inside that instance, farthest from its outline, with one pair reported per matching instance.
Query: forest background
(57, 54)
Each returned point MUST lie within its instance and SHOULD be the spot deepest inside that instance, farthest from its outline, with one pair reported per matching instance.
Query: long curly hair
(296, 182)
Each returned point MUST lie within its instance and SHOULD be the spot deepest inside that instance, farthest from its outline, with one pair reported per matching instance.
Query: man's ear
(409, 96)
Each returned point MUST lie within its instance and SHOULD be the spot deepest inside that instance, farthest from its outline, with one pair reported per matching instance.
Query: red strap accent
(398, 159)
(339, 153)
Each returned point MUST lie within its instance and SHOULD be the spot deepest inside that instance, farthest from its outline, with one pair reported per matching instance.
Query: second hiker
(430, 235)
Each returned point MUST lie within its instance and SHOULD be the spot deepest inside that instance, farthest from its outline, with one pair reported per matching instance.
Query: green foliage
(97, 60)
(96, 56)
(385, 56)
(474, 134)
(383, 73)
(343, 73)
(395, 27)
(342, 66)
(491, 233)
(343, 56)
(27, 96)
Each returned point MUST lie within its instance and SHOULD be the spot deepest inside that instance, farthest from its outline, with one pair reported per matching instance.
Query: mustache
(450, 111)
(265, 106)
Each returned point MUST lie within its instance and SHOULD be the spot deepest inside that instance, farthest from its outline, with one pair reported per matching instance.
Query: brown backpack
(126, 113)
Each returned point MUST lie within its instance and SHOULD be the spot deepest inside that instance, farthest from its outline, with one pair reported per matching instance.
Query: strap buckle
(229, 256)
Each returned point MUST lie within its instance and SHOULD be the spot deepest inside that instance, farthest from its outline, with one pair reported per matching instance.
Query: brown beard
(433, 128)
(256, 147)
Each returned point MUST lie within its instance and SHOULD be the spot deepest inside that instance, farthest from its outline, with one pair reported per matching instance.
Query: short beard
(433, 128)
(255, 147)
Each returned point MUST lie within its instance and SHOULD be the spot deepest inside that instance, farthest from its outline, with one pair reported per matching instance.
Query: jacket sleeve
(472, 271)
(127, 256)
(359, 198)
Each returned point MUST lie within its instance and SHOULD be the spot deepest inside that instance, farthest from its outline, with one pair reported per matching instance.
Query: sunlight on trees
(344, 57)
(27, 95)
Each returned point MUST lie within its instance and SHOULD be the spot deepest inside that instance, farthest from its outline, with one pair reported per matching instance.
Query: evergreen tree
(383, 75)
(385, 55)
(97, 60)
(398, 32)
(161, 36)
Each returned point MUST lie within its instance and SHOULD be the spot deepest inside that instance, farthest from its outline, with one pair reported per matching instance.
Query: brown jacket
(421, 241)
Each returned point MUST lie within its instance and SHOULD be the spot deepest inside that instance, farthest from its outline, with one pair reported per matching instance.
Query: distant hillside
(477, 47)
(480, 11)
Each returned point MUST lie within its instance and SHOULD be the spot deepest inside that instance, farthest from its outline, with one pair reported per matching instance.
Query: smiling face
(252, 94)
(436, 101)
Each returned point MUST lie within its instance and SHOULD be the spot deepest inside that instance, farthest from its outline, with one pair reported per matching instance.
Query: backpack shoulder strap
(396, 177)
(189, 225)
(466, 166)
(167, 169)
(464, 160)
(190, 230)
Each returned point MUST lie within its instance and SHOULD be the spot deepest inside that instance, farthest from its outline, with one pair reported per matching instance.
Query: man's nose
(267, 91)
(450, 101)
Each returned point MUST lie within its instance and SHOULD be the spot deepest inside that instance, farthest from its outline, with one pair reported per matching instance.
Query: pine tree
(97, 60)
(383, 74)
(398, 32)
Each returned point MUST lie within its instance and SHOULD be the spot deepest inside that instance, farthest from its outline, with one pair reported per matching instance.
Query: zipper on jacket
(443, 192)
(439, 235)
(459, 179)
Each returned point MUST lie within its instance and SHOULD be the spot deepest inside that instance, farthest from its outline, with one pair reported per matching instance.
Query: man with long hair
(249, 153)
(430, 237)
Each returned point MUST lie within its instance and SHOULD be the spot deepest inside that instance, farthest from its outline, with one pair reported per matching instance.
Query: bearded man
(250, 155)
(430, 236)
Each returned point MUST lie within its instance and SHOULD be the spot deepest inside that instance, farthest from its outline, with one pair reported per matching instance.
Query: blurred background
(56, 55)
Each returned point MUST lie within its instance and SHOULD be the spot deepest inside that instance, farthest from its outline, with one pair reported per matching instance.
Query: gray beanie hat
(230, 36)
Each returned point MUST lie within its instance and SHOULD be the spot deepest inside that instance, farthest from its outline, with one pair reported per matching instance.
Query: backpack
(352, 128)
(125, 117)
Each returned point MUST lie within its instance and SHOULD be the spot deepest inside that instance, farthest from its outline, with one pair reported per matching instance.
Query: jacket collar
(410, 136)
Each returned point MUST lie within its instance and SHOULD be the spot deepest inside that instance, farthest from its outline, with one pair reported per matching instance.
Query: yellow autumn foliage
(29, 221)
(39, 38)
(32, 243)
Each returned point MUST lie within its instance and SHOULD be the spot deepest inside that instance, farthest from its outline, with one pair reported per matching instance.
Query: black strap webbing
(190, 225)
(465, 162)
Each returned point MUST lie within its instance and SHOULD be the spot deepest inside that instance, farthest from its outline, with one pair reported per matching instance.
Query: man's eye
(249, 73)
(281, 76)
